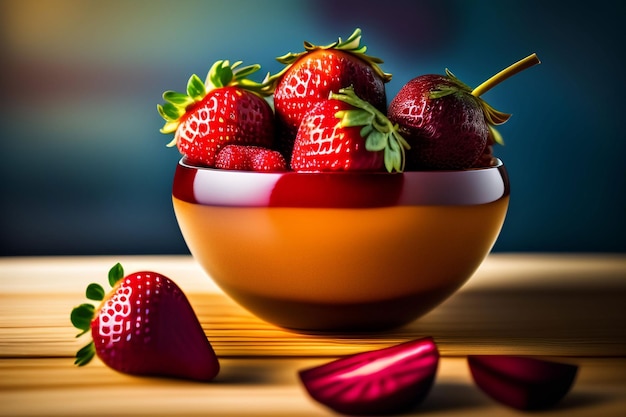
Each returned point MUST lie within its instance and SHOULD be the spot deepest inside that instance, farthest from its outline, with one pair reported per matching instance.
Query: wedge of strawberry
(250, 158)
(227, 108)
(310, 76)
(386, 381)
(144, 326)
(345, 133)
(524, 383)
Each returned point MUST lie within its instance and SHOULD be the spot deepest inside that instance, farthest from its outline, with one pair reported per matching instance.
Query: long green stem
(519, 66)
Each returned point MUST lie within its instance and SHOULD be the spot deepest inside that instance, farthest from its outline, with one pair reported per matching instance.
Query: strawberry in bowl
(345, 232)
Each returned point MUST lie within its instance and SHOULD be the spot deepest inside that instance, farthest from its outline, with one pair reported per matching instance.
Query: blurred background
(85, 170)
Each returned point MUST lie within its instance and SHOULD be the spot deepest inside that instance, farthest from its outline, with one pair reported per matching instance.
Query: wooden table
(565, 307)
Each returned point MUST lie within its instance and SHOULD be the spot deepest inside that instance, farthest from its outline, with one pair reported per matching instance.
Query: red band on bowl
(217, 187)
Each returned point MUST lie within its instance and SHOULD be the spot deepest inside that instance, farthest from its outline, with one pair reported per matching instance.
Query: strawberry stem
(519, 66)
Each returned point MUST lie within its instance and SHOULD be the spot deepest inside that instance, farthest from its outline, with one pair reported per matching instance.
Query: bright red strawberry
(250, 158)
(345, 133)
(227, 108)
(144, 326)
(385, 381)
(310, 76)
(446, 123)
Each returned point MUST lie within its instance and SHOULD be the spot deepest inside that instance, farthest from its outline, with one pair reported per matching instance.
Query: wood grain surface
(568, 307)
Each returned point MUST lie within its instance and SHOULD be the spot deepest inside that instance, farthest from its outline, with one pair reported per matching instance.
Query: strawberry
(250, 158)
(387, 381)
(310, 76)
(227, 108)
(487, 158)
(446, 122)
(523, 383)
(144, 326)
(345, 133)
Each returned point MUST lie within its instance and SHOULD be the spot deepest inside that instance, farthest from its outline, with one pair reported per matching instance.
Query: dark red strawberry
(144, 326)
(524, 383)
(345, 133)
(446, 123)
(310, 76)
(385, 381)
(250, 158)
(487, 158)
(227, 108)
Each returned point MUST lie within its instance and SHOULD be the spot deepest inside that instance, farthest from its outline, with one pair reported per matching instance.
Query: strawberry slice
(345, 133)
(523, 383)
(385, 381)
(144, 326)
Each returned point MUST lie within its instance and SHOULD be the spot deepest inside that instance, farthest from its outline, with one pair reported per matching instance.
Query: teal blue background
(85, 171)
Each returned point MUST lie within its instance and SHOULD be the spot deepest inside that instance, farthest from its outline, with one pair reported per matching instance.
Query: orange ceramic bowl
(340, 252)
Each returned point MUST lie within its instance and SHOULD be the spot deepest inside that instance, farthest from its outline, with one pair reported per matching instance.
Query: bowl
(342, 251)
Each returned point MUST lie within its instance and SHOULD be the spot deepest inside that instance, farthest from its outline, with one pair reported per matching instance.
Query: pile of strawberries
(329, 113)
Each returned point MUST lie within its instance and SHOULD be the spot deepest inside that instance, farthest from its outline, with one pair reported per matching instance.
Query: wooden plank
(554, 305)
(264, 387)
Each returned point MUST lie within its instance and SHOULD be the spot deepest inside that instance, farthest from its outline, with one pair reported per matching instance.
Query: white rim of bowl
(216, 187)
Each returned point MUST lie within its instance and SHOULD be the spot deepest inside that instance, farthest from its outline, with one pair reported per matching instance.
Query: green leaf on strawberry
(115, 274)
(378, 131)
(352, 45)
(221, 74)
(144, 326)
(95, 292)
(81, 317)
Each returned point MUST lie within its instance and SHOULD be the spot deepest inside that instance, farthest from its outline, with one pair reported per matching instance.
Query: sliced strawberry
(385, 381)
(345, 133)
(250, 158)
(310, 76)
(145, 326)
(227, 108)
(524, 383)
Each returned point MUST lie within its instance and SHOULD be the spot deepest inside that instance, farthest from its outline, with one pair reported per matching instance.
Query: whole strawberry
(310, 76)
(227, 108)
(345, 133)
(446, 122)
(250, 158)
(144, 326)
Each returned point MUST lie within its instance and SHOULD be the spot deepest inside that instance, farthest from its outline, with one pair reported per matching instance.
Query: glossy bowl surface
(340, 252)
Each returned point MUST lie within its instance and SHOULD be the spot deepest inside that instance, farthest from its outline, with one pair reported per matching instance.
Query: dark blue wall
(85, 171)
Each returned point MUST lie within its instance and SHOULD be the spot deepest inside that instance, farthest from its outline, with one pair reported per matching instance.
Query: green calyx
(82, 315)
(351, 45)
(221, 74)
(493, 117)
(379, 132)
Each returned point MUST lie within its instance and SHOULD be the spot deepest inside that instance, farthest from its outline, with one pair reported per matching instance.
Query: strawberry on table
(345, 133)
(387, 381)
(227, 108)
(310, 76)
(144, 326)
